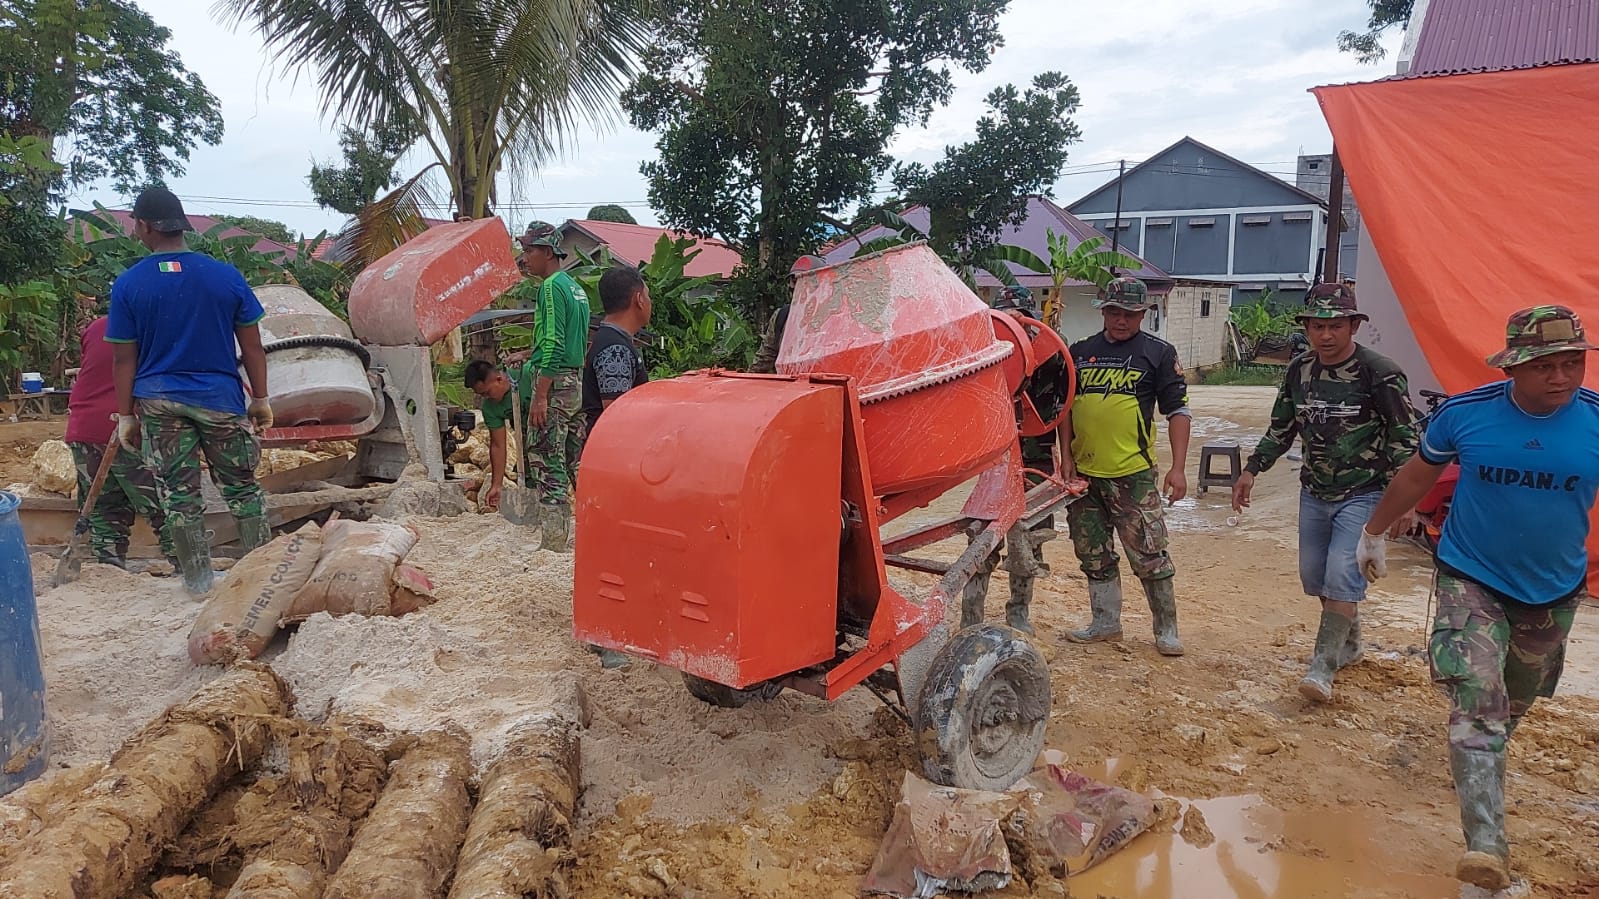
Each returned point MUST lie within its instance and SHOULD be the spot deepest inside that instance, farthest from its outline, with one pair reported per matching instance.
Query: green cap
(542, 234)
(1540, 331)
(1331, 301)
(1124, 293)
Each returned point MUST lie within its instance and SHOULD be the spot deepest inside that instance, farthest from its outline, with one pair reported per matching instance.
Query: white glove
(260, 413)
(128, 432)
(1372, 555)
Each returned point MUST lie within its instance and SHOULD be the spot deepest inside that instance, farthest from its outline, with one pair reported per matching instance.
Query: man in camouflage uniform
(1123, 374)
(555, 413)
(1511, 565)
(772, 338)
(175, 317)
(1025, 560)
(1350, 407)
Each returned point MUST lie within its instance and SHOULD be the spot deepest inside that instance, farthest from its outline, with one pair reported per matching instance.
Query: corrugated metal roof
(1460, 36)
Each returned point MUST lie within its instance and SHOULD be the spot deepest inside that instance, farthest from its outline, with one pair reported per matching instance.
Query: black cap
(161, 210)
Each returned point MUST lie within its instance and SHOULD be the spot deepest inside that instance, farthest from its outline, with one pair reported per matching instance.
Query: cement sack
(1071, 823)
(943, 840)
(242, 614)
(410, 590)
(356, 572)
(54, 470)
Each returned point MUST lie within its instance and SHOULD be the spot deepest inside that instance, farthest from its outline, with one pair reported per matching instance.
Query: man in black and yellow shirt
(1123, 374)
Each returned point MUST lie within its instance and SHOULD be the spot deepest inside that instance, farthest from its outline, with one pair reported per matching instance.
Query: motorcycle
(1434, 507)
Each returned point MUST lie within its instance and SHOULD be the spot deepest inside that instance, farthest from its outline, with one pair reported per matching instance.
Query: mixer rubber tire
(983, 709)
(728, 697)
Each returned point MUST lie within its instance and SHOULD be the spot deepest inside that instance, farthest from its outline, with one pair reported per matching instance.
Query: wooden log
(406, 849)
(518, 844)
(113, 834)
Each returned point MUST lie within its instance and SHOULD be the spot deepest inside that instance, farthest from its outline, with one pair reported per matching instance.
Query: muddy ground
(789, 799)
(18, 442)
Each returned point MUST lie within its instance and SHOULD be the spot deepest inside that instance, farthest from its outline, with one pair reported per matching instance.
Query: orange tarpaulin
(1481, 198)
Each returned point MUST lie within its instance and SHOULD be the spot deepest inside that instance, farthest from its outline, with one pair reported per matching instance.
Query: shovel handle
(93, 495)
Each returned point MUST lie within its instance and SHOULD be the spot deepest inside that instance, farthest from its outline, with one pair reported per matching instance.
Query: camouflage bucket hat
(1018, 298)
(1331, 301)
(542, 234)
(1540, 331)
(1124, 293)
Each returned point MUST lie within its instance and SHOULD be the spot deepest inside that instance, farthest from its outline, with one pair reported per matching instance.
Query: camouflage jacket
(1354, 419)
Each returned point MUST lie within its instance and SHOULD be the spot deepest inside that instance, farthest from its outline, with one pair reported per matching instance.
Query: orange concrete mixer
(728, 525)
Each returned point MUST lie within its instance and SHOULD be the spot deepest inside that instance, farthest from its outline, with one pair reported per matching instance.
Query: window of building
(1315, 165)
(1202, 223)
(1158, 223)
(1204, 308)
(1254, 221)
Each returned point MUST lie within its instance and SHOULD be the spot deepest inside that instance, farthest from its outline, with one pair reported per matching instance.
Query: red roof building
(1453, 37)
(635, 244)
(204, 223)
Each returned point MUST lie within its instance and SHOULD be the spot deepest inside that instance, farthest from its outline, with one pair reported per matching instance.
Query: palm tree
(1085, 262)
(490, 84)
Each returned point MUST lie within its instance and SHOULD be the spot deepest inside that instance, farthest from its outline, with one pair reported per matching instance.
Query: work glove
(128, 432)
(260, 413)
(1372, 555)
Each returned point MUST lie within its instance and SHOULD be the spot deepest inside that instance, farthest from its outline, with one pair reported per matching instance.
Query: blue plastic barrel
(24, 737)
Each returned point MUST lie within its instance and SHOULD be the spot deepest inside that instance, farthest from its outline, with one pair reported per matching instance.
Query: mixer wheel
(728, 697)
(980, 722)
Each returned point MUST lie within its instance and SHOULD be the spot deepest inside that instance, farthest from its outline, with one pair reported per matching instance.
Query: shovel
(518, 504)
(71, 563)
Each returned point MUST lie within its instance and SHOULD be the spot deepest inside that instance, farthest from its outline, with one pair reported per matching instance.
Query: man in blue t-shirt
(175, 317)
(1511, 564)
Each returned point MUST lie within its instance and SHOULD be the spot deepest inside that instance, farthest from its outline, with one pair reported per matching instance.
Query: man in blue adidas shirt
(1511, 564)
(175, 316)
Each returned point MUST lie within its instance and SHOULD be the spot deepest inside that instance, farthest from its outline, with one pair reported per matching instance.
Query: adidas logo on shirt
(1533, 444)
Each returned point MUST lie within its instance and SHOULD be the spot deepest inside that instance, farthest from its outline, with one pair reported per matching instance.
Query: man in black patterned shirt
(614, 366)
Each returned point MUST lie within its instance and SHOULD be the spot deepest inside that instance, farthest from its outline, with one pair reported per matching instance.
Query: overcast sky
(1233, 75)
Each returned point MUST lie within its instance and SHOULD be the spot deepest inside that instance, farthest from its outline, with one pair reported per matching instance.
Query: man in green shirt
(555, 413)
(497, 389)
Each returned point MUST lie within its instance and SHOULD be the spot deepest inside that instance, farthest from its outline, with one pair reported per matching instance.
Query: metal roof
(1460, 36)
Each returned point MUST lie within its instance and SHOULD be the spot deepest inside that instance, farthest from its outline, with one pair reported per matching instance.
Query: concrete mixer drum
(316, 369)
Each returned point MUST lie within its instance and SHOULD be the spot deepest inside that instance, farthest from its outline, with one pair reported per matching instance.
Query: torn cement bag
(356, 571)
(242, 615)
(943, 839)
(1071, 823)
(410, 590)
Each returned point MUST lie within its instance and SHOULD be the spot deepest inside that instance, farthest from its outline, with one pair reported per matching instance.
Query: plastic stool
(1224, 449)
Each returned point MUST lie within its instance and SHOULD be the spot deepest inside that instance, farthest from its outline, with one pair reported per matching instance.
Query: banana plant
(1086, 262)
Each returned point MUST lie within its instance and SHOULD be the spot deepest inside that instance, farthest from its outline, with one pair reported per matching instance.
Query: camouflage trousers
(553, 450)
(1494, 658)
(1131, 507)
(175, 437)
(129, 490)
(1024, 554)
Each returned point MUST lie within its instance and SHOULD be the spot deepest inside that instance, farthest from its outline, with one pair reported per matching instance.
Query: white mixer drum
(316, 370)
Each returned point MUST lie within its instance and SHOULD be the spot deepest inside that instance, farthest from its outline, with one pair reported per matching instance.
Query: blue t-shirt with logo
(181, 309)
(1519, 519)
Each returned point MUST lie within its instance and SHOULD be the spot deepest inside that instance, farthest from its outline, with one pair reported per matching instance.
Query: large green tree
(369, 160)
(489, 84)
(611, 212)
(268, 228)
(772, 116)
(1385, 14)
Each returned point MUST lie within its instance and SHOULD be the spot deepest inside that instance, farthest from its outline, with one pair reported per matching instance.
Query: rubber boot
(552, 525)
(1105, 601)
(1162, 595)
(1021, 600)
(253, 532)
(975, 593)
(1352, 650)
(1480, 786)
(194, 557)
(1330, 639)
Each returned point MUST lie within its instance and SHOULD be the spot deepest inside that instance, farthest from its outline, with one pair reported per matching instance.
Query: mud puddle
(1251, 850)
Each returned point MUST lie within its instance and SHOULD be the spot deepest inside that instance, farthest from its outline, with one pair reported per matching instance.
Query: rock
(1190, 733)
(1195, 831)
(54, 470)
(1269, 747)
(180, 887)
(645, 887)
(657, 869)
(1050, 888)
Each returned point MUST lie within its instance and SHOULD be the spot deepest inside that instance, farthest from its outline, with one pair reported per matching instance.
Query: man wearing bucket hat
(765, 361)
(555, 413)
(1123, 375)
(175, 316)
(1511, 564)
(1024, 559)
(1349, 406)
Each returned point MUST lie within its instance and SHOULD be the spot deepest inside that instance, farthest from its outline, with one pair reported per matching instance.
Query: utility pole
(1335, 219)
(1116, 224)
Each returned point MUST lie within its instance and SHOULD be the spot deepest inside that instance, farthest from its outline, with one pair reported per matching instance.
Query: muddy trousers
(1495, 658)
(1024, 562)
(129, 490)
(1129, 507)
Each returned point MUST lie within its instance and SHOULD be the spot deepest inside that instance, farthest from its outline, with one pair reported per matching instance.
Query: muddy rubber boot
(1352, 650)
(975, 593)
(1330, 639)
(1021, 600)
(552, 525)
(1162, 595)
(1105, 601)
(1480, 786)
(194, 557)
(253, 532)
